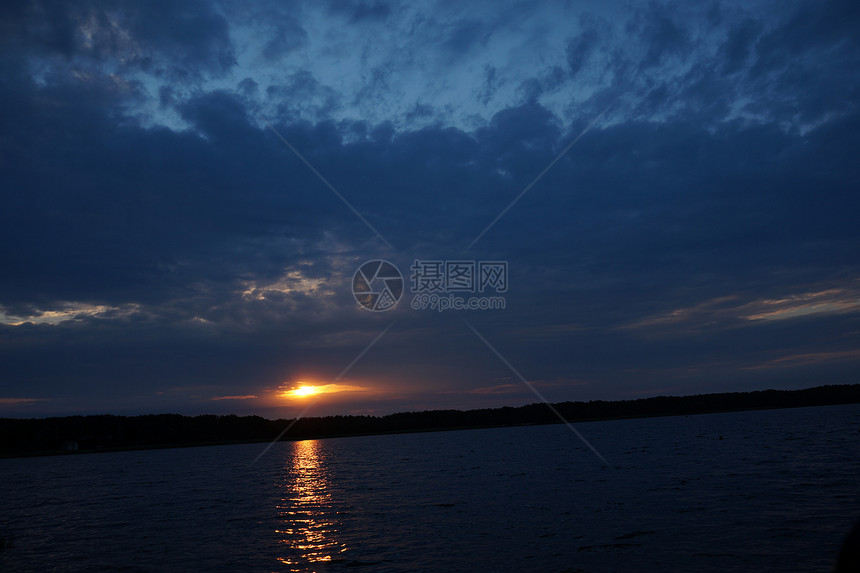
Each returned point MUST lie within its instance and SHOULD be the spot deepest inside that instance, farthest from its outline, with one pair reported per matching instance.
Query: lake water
(778, 492)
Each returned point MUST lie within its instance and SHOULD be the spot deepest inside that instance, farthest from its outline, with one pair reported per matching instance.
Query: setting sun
(303, 391)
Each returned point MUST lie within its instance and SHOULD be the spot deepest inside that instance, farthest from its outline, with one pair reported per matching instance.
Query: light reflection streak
(308, 529)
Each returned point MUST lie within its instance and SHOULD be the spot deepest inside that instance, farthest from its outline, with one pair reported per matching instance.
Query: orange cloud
(732, 312)
(17, 401)
(500, 389)
(805, 359)
(832, 301)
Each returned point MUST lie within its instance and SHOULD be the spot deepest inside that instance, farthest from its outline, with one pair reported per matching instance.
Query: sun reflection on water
(308, 529)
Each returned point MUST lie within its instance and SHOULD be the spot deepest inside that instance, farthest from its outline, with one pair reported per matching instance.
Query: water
(777, 492)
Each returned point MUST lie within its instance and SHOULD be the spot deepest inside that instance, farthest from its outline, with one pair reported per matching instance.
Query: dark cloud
(37, 26)
(362, 11)
(547, 83)
(217, 114)
(300, 95)
(287, 36)
(739, 45)
(178, 42)
(420, 110)
(370, 11)
(812, 26)
(100, 210)
(192, 36)
(581, 47)
(489, 85)
(660, 31)
(248, 88)
(462, 36)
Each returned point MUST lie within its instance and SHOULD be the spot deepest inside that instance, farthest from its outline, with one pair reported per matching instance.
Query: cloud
(794, 360)
(733, 311)
(581, 47)
(161, 38)
(739, 44)
(217, 114)
(65, 311)
(832, 301)
(287, 36)
(21, 401)
(498, 389)
(360, 11)
(659, 30)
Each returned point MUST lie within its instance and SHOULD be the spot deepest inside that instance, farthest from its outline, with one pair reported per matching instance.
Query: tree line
(19, 437)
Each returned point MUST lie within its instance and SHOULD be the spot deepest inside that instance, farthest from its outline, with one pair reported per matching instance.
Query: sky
(189, 189)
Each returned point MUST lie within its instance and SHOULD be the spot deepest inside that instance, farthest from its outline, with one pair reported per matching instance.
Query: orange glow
(302, 391)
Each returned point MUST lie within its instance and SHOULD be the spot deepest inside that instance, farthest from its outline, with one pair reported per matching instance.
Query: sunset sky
(188, 189)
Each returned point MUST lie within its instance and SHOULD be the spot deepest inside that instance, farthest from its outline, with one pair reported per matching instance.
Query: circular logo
(377, 285)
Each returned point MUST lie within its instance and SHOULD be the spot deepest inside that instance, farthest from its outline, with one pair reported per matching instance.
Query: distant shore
(106, 433)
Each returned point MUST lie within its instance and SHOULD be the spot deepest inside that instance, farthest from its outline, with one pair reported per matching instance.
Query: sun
(303, 391)
(307, 389)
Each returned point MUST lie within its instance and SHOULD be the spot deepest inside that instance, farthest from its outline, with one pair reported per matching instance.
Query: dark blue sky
(163, 250)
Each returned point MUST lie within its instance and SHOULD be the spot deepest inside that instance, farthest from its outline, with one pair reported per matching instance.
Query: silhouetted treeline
(101, 433)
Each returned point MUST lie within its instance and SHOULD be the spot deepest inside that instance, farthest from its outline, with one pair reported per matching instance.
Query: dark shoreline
(106, 433)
